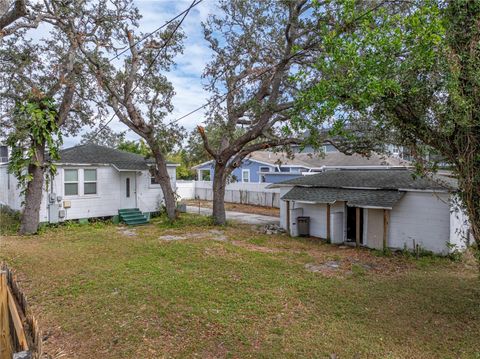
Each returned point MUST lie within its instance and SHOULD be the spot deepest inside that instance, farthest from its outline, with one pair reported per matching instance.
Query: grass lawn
(192, 290)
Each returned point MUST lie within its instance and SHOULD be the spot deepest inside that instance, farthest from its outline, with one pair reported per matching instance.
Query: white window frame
(261, 172)
(152, 178)
(66, 182)
(96, 182)
(243, 178)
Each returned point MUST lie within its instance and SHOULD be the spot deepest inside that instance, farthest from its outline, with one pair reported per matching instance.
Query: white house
(375, 208)
(92, 181)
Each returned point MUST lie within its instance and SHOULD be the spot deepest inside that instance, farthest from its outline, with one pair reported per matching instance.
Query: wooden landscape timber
(20, 336)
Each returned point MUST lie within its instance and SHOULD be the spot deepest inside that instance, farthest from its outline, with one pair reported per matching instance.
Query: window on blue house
(245, 175)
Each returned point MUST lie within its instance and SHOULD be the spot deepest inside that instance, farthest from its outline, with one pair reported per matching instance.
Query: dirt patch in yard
(237, 207)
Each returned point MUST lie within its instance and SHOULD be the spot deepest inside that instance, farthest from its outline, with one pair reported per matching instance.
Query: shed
(391, 208)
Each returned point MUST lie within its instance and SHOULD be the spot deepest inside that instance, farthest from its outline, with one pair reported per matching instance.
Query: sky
(186, 74)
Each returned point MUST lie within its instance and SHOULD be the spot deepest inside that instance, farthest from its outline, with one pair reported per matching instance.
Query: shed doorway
(354, 214)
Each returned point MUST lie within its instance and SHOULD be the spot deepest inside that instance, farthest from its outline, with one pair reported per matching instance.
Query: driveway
(248, 218)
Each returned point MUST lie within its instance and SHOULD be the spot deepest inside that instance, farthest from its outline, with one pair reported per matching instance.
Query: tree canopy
(408, 72)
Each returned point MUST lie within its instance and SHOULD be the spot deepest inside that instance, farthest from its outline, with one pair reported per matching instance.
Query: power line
(164, 46)
(155, 31)
(222, 97)
(252, 79)
(263, 72)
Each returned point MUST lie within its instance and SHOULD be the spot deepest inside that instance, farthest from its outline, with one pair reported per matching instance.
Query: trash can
(303, 225)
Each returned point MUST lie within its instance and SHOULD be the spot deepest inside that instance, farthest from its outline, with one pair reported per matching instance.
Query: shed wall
(374, 228)
(423, 217)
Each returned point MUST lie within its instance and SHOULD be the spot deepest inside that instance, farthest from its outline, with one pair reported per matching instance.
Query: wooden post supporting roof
(288, 218)
(328, 222)
(357, 226)
(386, 215)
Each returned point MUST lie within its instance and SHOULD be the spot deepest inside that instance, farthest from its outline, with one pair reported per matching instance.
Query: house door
(128, 190)
(352, 224)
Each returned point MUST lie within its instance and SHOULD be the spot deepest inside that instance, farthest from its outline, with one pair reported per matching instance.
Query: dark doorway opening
(352, 224)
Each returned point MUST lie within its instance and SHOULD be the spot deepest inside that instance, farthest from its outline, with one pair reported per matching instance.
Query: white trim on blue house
(243, 178)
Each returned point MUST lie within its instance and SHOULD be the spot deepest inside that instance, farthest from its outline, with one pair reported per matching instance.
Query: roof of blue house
(317, 161)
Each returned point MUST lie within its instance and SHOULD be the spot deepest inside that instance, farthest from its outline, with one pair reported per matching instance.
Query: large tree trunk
(33, 194)
(162, 177)
(219, 184)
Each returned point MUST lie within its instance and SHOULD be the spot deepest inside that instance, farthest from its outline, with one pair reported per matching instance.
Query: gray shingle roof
(371, 179)
(312, 160)
(315, 160)
(353, 197)
(95, 154)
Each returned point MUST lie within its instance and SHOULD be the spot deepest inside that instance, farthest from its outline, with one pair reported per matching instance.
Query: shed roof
(353, 197)
(388, 179)
(95, 154)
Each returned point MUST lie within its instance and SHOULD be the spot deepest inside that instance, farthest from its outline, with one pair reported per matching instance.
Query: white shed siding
(283, 207)
(423, 217)
(318, 218)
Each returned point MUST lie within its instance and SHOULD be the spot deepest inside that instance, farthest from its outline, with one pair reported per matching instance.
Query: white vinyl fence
(238, 192)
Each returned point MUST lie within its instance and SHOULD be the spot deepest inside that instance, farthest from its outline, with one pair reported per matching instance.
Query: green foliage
(138, 147)
(35, 131)
(405, 73)
(9, 221)
(184, 171)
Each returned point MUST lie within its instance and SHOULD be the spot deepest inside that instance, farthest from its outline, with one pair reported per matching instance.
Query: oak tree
(257, 46)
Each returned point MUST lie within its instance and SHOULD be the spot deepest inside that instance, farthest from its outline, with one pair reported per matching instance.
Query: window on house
(153, 180)
(264, 169)
(284, 169)
(245, 175)
(127, 187)
(71, 182)
(90, 181)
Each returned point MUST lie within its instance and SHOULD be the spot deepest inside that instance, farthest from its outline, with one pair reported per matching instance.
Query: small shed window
(127, 187)
(71, 182)
(245, 175)
(90, 181)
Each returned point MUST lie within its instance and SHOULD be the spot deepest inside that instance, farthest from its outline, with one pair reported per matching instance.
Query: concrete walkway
(248, 218)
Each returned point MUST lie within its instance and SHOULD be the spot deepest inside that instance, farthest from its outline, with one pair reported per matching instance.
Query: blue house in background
(273, 167)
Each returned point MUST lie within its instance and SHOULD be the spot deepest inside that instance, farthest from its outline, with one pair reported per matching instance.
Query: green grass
(9, 221)
(100, 292)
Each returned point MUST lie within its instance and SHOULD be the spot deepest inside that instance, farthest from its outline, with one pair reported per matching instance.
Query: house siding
(423, 217)
(252, 166)
(105, 203)
(10, 194)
